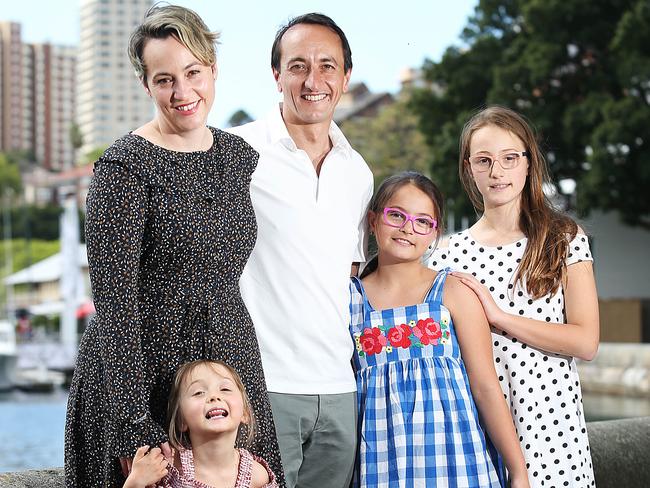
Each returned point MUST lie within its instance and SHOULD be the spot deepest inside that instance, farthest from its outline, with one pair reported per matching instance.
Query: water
(32, 425)
(608, 407)
(31, 430)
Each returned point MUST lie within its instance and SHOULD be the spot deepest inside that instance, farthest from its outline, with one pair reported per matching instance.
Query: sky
(385, 37)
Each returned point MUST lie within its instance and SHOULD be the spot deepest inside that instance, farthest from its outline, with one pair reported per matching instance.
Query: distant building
(111, 100)
(37, 288)
(11, 87)
(37, 98)
(41, 187)
(358, 101)
(413, 79)
(52, 112)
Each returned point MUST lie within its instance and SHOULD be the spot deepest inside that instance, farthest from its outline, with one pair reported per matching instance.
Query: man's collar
(278, 132)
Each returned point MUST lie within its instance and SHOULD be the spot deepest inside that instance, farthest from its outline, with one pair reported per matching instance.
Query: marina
(33, 408)
(8, 355)
(33, 424)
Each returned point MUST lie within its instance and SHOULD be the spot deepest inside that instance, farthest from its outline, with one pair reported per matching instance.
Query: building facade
(37, 98)
(110, 99)
(11, 87)
(53, 70)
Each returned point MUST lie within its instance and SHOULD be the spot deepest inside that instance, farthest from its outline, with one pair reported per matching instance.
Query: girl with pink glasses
(423, 359)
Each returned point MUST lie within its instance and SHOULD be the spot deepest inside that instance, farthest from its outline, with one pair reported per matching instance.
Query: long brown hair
(548, 230)
(389, 187)
(180, 439)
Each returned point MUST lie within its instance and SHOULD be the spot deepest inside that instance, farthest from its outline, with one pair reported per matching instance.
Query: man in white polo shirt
(310, 192)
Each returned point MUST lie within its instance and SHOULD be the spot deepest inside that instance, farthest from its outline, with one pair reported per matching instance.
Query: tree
(389, 142)
(240, 117)
(93, 155)
(9, 176)
(578, 69)
(25, 159)
(76, 139)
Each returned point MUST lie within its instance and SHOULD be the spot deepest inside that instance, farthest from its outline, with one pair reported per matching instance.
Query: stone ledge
(617, 369)
(619, 451)
(50, 478)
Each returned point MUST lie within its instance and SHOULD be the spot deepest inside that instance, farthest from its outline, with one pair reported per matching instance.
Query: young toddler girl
(208, 406)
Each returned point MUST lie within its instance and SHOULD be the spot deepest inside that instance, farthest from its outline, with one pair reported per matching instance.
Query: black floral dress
(168, 235)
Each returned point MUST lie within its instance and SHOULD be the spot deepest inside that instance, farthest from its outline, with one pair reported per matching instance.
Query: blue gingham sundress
(418, 424)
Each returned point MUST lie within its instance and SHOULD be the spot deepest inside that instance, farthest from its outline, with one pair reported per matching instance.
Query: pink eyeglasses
(397, 218)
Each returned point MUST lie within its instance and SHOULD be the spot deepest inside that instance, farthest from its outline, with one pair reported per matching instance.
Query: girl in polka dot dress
(208, 406)
(531, 268)
(422, 341)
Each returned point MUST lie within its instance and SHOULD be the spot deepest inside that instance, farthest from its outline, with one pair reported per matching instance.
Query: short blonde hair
(179, 439)
(183, 24)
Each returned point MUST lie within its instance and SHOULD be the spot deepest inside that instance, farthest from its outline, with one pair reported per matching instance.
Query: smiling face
(312, 76)
(181, 87)
(498, 186)
(211, 403)
(394, 244)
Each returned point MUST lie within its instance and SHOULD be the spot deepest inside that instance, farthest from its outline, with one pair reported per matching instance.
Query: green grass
(24, 255)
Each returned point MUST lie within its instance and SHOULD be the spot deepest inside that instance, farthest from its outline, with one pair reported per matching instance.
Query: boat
(8, 355)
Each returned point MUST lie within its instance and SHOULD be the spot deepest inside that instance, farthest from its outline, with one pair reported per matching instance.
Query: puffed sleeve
(440, 258)
(244, 158)
(115, 225)
(579, 250)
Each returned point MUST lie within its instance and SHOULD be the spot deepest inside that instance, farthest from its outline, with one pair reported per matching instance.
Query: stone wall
(619, 450)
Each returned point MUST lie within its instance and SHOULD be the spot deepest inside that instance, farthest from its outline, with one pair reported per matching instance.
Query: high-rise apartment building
(11, 87)
(37, 98)
(53, 71)
(110, 99)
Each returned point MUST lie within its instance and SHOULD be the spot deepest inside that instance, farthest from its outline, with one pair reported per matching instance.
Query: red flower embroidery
(428, 331)
(372, 340)
(399, 336)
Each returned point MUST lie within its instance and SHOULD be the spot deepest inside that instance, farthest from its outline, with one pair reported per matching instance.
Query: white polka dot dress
(542, 389)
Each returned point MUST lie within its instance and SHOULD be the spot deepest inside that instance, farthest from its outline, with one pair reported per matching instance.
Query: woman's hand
(492, 311)
(148, 467)
(127, 463)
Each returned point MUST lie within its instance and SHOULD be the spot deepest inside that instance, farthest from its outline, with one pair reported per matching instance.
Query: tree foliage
(578, 69)
(38, 222)
(10, 182)
(93, 155)
(389, 142)
(240, 117)
(25, 253)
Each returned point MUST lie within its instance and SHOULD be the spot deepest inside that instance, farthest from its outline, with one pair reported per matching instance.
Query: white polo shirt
(310, 230)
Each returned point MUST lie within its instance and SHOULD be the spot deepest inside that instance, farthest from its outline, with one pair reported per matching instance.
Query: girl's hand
(148, 468)
(519, 481)
(492, 311)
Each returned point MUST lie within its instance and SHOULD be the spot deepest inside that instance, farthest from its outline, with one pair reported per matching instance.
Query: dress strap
(355, 303)
(245, 472)
(187, 464)
(435, 293)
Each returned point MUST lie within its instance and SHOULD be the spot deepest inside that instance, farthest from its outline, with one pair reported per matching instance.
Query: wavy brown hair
(548, 230)
(180, 439)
